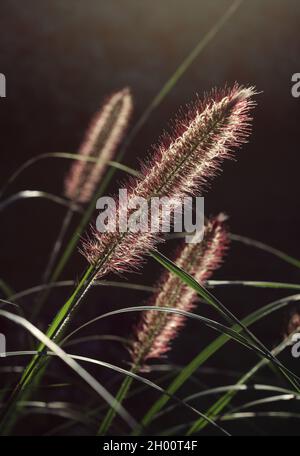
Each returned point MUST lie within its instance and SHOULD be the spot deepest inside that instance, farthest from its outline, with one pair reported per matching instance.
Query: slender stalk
(204, 355)
(120, 397)
(52, 260)
(58, 243)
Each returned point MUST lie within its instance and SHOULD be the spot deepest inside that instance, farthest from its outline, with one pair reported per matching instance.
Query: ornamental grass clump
(182, 164)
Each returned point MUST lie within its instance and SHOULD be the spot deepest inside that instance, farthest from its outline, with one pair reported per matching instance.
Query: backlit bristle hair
(102, 138)
(180, 167)
(156, 329)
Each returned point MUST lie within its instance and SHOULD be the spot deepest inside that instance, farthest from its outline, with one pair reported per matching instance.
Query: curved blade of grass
(36, 367)
(183, 67)
(70, 283)
(146, 288)
(219, 405)
(26, 194)
(62, 409)
(9, 303)
(253, 284)
(124, 389)
(247, 415)
(149, 383)
(209, 351)
(97, 337)
(86, 376)
(266, 400)
(63, 155)
(98, 410)
(232, 333)
(252, 243)
(266, 248)
(238, 388)
(128, 374)
(229, 316)
(170, 84)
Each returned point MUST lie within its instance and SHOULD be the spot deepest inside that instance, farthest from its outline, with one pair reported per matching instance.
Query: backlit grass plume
(156, 330)
(293, 323)
(181, 165)
(102, 138)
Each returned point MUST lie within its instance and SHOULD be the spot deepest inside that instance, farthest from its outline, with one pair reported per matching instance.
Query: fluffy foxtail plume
(102, 138)
(156, 330)
(180, 166)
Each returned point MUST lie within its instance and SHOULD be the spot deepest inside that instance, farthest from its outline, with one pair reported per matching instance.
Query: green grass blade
(149, 383)
(232, 333)
(266, 400)
(247, 415)
(266, 248)
(129, 375)
(209, 351)
(238, 388)
(72, 363)
(219, 405)
(61, 409)
(211, 299)
(30, 194)
(63, 155)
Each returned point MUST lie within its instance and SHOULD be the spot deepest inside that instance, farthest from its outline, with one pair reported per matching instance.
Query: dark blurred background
(60, 59)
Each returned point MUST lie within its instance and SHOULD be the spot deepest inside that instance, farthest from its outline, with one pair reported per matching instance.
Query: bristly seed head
(156, 329)
(102, 138)
(181, 166)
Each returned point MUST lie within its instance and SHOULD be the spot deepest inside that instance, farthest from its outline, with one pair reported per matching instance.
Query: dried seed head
(156, 330)
(101, 141)
(180, 167)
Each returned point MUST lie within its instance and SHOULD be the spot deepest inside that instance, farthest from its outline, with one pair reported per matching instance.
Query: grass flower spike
(101, 141)
(102, 138)
(156, 330)
(181, 165)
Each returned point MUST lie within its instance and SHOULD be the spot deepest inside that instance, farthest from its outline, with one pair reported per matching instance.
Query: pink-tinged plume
(102, 138)
(156, 329)
(180, 166)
